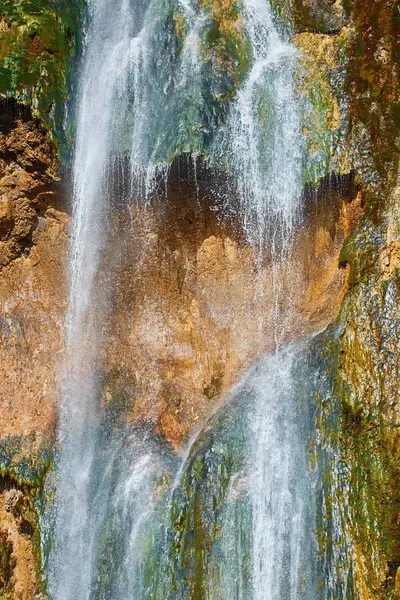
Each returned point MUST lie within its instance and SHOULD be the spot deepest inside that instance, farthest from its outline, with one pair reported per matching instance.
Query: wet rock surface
(317, 16)
(193, 302)
(190, 304)
(28, 169)
(32, 290)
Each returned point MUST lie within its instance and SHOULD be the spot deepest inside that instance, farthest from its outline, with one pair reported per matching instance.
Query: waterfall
(108, 42)
(114, 118)
(265, 133)
(141, 103)
(280, 486)
(107, 557)
(268, 160)
(249, 471)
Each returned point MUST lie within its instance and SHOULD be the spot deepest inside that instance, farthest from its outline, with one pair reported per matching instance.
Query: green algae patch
(321, 80)
(5, 565)
(191, 553)
(37, 39)
(25, 458)
(223, 59)
(195, 520)
(360, 250)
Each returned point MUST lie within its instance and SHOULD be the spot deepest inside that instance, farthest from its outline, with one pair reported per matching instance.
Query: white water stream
(265, 133)
(280, 486)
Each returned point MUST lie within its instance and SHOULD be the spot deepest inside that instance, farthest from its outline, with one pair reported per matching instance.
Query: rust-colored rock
(18, 566)
(190, 302)
(194, 307)
(28, 166)
(33, 249)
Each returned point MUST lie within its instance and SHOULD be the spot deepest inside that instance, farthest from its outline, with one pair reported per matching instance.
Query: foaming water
(107, 557)
(70, 569)
(244, 497)
(143, 96)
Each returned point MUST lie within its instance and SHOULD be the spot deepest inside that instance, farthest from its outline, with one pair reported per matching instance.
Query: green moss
(322, 64)
(37, 39)
(184, 560)
(24, 464)
(360, 250)
(6, 566)
(198, 592)
(28, 517)
(226, 54)
(25, 459)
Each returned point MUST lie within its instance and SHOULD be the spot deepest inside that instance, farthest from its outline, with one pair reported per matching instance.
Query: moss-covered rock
(24, 463)
(196, 551)
(37, 38)
(226, 52)
(317, 16)
(364, 361)
(362, 367)
(321, 87)
(6, 565)
(372, 88)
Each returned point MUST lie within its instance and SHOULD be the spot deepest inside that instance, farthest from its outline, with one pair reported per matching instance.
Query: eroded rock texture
(190, 303)
(32, 291)
(194, 302)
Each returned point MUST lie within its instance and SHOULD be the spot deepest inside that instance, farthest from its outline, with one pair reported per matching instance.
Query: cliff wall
(192, 303)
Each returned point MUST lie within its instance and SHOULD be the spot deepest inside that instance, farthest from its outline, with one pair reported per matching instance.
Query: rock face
(190, 302)
(193, 302)
(188, 293)
(359, 383)
(33, 249)
(365, 378)
(191, 309)
(37, 40)
(32, 254)
(28, 170)
(318, 16)
(19, 545)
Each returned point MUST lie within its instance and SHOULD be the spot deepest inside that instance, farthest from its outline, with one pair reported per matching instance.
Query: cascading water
(280, 487)
(265, 133)
(71, 566)
(141, 103)
(248, 470)
(114, 91)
